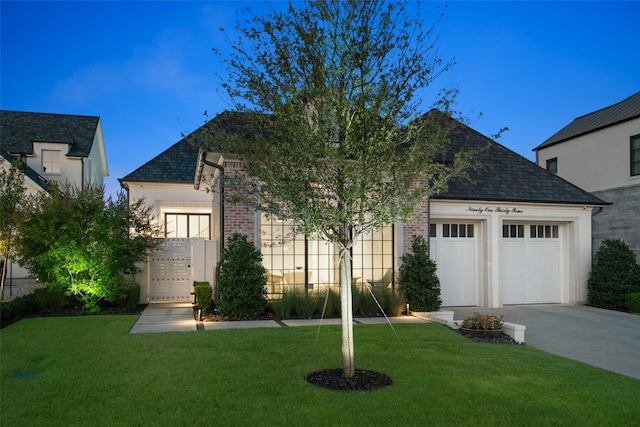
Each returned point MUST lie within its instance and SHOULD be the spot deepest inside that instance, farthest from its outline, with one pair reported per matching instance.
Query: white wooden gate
(172, 268)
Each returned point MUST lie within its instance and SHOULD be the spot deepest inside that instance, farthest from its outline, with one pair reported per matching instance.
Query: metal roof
(623, 111)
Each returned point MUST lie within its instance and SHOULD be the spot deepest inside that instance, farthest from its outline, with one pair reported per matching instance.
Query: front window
(51, 161)
(187, 225)
(295, 262)
(552, 165)
(635, 155)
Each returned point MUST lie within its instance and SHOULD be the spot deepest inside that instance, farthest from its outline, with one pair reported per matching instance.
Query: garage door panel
(530, 269)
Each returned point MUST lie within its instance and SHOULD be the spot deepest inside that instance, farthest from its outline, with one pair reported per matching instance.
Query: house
(513, 234)
(52, 147)
(600, 152)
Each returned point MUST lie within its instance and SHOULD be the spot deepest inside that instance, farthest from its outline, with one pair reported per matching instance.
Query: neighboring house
(514, 234)
(600, 152)
(52, 147)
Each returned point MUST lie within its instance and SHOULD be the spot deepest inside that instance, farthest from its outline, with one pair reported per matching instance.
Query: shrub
(332, 307)
(131, 297)
(18, 308)
(614, 275)
(633, 302)
(242, 284)
(204, 295)
(363, 303)
(50, 299)
(483, 321)
(393, 303)
(418, 280)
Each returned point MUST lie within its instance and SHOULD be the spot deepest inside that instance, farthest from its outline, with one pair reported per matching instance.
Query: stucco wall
(620, 220)
(596, 161)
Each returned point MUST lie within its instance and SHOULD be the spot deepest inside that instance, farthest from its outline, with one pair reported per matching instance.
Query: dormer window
(51, 161)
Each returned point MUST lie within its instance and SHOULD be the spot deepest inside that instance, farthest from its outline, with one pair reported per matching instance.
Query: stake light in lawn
(328, 126)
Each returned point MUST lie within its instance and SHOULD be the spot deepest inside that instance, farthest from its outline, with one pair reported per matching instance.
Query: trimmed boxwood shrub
(614, 275)
(241, 280)
(633, 302)
(204, 295)
(418, 280)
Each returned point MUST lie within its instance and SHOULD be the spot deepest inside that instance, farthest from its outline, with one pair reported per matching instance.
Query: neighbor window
(635, 155)
(552, 165)
(51, 161)
(187, 225)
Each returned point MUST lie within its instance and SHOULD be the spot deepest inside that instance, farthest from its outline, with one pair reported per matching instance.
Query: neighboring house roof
(623, 111)
(504, 175)
(177, 164)
(19, 130)
(34, 176)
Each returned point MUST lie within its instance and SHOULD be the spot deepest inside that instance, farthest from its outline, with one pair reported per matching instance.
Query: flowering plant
(483, 321)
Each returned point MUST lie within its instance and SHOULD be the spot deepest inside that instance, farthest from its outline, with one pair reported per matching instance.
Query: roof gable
(176, 164)
(19, 130)
(623, 111)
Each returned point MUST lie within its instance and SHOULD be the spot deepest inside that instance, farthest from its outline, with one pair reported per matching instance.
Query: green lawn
(92, 372)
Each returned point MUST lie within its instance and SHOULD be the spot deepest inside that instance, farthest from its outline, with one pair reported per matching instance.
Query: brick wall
(238, 218)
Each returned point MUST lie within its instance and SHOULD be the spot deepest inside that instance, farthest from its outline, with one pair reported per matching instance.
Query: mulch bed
(362, 380)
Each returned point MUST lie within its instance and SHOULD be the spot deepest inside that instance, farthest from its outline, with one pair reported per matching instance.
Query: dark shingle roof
(18, 131)
(503, 175)
(176, 164)
(623, 111)
(506, 176)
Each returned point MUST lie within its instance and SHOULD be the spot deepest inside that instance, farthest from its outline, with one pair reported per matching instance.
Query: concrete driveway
(604, 338)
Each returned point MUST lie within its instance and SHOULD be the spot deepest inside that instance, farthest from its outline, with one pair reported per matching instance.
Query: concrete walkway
(178, 317)
(603, 338)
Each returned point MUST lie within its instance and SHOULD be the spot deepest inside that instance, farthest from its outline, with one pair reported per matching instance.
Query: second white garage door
(530, 263)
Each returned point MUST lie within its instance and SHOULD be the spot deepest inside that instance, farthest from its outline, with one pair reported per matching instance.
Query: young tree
(331, 137)
(72, 239)
(12, 196)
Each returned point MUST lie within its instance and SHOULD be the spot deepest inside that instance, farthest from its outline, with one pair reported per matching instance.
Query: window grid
(544, 231)
(456, 231)
(187, 225)
(51, 161)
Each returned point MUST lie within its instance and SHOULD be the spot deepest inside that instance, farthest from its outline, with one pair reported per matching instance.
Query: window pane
(445, 230)
(432, 230)
(635, 155)
(533, 231)
(547, 231)
(552, 165)
(454, 230)
(470, 230)
(555, 231)
(521, 231)
(170, 225)
(463, 230)
(513, 230)
(505, 231)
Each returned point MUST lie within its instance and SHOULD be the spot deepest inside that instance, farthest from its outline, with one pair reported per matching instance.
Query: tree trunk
(346, 314)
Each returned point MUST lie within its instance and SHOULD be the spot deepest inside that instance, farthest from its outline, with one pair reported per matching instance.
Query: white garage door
(453, 246)
(530, 264)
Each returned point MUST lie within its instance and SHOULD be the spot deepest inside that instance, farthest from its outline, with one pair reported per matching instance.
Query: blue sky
(147, 69)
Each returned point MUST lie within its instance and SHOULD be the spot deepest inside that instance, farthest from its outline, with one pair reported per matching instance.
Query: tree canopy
(333, 133)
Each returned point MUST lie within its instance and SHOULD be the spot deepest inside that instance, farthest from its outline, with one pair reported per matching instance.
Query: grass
(92, 372)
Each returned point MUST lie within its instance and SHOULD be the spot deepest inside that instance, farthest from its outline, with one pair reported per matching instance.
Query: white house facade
(513, 234)
(600, 152)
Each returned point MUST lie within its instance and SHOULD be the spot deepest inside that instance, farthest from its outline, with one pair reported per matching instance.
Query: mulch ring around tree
(362, 380)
